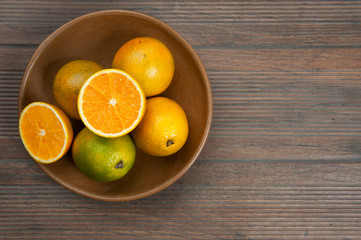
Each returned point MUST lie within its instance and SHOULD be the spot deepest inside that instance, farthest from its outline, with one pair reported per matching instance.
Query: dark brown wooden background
(283, 158)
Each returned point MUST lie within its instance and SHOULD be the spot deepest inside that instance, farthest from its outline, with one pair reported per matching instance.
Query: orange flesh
(111, 103)
(42, 132)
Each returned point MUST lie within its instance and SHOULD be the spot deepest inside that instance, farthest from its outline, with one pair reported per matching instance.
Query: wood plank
(256, 60)
(267, 175)
(9, 90)
(281, 60)
(179, 11)
(256, 26)
(17, 57)
(257, 200)
(265, 148)
(235, 35)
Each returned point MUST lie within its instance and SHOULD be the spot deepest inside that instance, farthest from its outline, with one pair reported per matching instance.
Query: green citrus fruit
(68, 81)
(103, 159)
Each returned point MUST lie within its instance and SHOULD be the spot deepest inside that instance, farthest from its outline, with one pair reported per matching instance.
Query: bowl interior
(97, 37)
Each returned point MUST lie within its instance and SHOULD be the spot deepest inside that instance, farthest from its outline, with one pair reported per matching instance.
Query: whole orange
(163, 129)
(68, 81)
(103, 159)
(149, 61)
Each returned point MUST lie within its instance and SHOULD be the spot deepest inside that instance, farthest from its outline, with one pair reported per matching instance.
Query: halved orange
(111, 103)
(45, 131)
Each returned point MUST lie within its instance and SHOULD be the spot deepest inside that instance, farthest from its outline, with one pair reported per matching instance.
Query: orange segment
(46, 132)
(111, 103)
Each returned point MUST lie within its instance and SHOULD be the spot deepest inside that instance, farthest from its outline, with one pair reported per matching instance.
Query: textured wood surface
(283, 158)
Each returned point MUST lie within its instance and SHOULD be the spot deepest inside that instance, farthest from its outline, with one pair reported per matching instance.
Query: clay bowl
(96, 37)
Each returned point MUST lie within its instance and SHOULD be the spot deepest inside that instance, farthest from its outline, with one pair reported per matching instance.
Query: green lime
(103, 159)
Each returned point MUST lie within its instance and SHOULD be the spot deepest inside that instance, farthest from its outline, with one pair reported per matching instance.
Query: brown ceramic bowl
(97, 37)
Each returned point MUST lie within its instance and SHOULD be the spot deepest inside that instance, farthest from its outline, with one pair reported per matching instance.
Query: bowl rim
(190, 50)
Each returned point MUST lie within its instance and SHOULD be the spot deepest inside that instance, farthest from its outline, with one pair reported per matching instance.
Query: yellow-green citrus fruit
(103, 159)
(68, 81)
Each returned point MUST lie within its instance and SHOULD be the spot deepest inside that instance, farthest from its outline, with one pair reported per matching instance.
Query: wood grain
(265, 200)
(282, 160)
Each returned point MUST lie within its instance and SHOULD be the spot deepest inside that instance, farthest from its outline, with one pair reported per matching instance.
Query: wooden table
(283, 158)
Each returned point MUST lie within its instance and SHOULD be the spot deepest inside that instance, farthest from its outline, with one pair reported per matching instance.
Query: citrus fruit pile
(117, 106)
